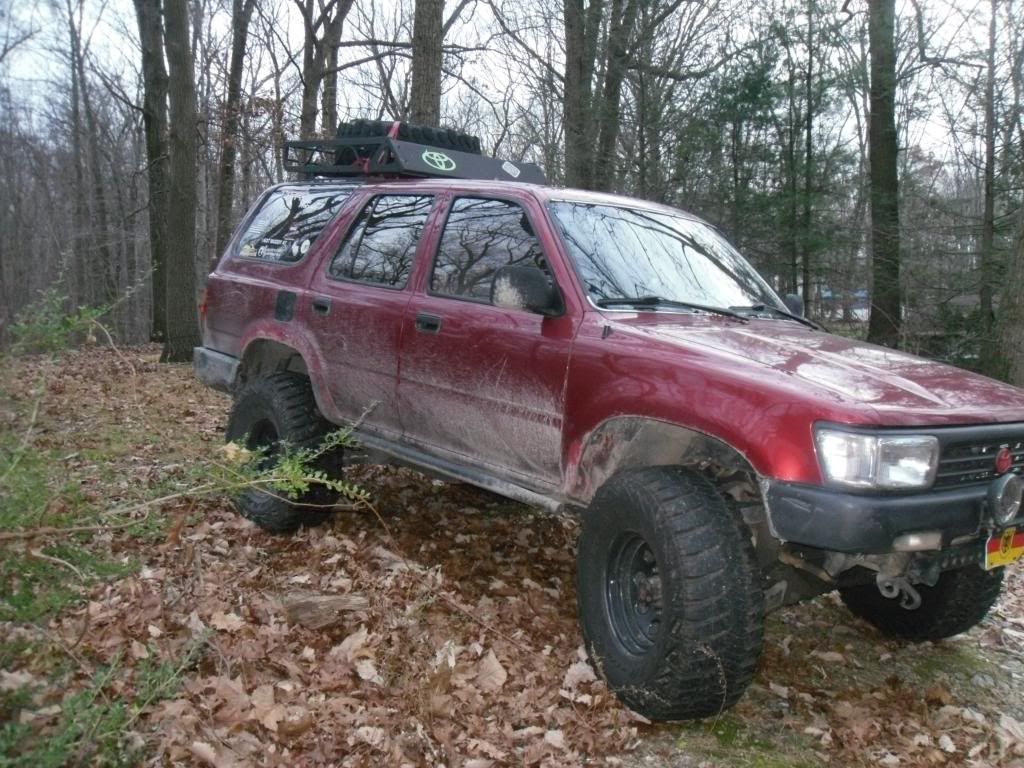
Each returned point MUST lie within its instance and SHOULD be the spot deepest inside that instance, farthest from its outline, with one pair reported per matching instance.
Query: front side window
(480, 237)
(290, 219)
(627, 253)
(381, 243)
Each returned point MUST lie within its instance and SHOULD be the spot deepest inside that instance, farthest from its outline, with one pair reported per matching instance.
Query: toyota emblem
(1004, 461)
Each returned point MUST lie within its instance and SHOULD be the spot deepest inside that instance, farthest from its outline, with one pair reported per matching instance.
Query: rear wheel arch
(265, 356)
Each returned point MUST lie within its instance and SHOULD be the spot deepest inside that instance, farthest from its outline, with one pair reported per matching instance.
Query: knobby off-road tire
(691, 652)
(443, 138)
(268, 411)
(958, 601)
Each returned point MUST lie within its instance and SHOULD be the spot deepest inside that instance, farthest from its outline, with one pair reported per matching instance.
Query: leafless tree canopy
(863, 154)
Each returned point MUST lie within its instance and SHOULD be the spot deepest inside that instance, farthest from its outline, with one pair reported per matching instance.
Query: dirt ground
(167, 632)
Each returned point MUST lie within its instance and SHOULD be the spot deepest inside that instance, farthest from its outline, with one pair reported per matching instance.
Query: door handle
(428, 323)
(321, 305)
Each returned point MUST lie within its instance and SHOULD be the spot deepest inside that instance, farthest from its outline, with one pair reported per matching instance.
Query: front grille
(974, 462)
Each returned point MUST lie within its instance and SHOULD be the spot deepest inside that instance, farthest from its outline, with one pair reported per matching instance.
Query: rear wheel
(270, 412)
(668, 592)
(958, 601)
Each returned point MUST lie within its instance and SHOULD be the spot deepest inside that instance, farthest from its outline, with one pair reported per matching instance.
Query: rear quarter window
(289, 220)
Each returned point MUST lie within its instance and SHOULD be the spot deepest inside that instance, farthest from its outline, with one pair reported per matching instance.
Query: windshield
(624, 253)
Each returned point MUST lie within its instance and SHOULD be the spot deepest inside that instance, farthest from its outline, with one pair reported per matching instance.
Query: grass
(744, 743)
(39, 579)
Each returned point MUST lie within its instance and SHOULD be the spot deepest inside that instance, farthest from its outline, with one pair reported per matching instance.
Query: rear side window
(381, 244)
(290, 219)
(480, 237)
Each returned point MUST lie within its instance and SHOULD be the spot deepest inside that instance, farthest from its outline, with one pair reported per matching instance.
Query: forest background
(866, 155)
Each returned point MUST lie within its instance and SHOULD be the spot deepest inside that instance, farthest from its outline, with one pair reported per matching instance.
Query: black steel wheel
(668, 593)
(633, 593)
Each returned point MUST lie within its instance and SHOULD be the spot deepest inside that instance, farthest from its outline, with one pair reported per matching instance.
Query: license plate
(1003, 548)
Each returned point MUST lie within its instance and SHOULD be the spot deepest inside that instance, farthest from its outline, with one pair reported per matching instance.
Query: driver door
(481, 384)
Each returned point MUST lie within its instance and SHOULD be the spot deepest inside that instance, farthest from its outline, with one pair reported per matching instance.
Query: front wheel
(668, 593)
(958, 601)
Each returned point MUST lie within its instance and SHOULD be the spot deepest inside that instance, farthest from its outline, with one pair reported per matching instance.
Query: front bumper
(215, 369)
(831, 520)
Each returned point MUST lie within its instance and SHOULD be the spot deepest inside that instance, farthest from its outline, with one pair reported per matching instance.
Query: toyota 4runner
(620, 360)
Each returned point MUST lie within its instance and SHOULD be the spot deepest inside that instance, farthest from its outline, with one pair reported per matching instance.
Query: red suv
(618, 359)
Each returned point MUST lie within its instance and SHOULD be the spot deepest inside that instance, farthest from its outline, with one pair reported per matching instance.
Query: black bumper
(215, 369)
(844, 522)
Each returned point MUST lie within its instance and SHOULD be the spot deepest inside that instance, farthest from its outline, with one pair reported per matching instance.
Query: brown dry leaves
(459, 645)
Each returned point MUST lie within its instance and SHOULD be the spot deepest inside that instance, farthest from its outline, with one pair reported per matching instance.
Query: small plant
(45, 325)
(292, 472)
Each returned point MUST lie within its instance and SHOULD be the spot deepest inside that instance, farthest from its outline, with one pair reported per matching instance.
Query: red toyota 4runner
(619, 359)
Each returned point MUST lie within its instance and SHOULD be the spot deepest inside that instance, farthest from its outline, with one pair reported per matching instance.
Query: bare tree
(886, 294)
(322, 24)
(182, 321)
(154, 115)
(427, 57)
(241, 15)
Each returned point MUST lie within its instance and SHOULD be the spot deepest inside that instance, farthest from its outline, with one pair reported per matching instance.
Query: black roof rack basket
(388, 156)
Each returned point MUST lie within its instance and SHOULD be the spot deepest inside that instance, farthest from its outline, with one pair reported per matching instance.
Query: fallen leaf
(946, 744)
(490, 676)
(555, 738)
(578, 673)
(227, 622)
(831, 657)
(204, 752)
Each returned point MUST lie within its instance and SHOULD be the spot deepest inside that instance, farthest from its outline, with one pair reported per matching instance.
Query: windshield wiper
(781, 313)
(658, 301)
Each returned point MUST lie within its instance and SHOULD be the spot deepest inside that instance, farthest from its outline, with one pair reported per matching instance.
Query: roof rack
(386, 155)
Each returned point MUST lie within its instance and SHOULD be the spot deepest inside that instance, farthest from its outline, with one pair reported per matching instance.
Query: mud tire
(700, 656)
(442, 138)
(958, 601)
(270, 410)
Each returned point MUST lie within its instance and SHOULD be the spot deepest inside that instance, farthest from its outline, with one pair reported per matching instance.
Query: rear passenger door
(356, 304)
(480, 384)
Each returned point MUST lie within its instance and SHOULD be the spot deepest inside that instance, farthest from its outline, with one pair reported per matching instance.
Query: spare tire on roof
(442, 138)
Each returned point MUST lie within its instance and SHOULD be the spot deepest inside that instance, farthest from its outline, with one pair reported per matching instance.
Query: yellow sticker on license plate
(1004, 547)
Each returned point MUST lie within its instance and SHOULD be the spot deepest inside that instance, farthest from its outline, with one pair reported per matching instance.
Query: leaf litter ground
(458, 644)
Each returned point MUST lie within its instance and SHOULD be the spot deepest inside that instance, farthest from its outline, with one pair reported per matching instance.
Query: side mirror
(794, 303)
(525, 288)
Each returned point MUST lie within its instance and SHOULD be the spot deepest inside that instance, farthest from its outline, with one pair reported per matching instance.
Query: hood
(899, 388)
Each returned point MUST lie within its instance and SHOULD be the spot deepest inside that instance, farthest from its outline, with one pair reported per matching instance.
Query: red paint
(521, 394)
(1004, 461)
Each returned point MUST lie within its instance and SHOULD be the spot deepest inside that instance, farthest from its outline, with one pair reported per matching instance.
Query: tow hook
(898, 586)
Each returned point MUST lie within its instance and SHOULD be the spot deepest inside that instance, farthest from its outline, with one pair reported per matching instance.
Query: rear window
(290, 219)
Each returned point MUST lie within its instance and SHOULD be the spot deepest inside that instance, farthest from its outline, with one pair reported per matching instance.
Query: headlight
(877, 461)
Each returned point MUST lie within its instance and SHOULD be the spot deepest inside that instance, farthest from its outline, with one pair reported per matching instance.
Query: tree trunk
(182, 320)
(241, 14)
(1011, 310)
(322, 33)
(886, 297)
(806, 241)
(990, 362)
(427, 56)
(581, 34)
(154, 118)
(619, 35)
